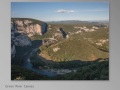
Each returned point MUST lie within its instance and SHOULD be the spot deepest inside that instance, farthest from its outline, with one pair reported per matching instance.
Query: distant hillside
(76, 22)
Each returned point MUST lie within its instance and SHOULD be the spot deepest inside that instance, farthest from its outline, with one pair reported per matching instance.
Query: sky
(58, 11)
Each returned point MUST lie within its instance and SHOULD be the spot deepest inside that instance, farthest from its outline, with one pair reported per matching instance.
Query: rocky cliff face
(29, 27)
(60, 33)
(22, 30)
(13, 51)
(18, 39)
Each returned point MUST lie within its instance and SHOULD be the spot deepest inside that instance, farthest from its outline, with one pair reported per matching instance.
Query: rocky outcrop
(33, 29)
(22, 30)
(64, 34)
(44, 27)
(22, 40)
(29, 27)
(18, 39)
(56, 49)
(60, 33)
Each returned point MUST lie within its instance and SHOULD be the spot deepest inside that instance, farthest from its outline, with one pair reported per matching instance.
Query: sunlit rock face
(28, 27)
(22, 30)
(33, 30)
(19, 39)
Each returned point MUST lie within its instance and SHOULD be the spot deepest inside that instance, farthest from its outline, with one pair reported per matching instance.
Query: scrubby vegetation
(85, 71)
(34, 21)
(85, 52)
(74, 48)
(91, 71)
(83, 43)
(20, 73)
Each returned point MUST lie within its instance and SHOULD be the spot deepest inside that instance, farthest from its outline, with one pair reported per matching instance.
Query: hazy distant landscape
(59, 49)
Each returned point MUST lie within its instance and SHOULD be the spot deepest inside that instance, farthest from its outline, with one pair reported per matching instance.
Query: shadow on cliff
(23, 52)
(44, 28)
(64, 34)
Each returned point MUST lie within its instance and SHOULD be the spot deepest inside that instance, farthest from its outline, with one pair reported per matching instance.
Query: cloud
(72, 11)
(65, 11)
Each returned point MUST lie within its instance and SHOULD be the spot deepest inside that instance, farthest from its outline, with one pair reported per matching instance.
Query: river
(27, 64)
(47, 72)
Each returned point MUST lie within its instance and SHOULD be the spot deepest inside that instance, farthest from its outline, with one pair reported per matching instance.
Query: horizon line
(62, 20)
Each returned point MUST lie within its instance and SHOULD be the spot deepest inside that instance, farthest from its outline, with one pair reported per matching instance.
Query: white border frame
(5, 57)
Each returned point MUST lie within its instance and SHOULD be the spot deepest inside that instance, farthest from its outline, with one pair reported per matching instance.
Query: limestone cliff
(21, 31)
(29, 27)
